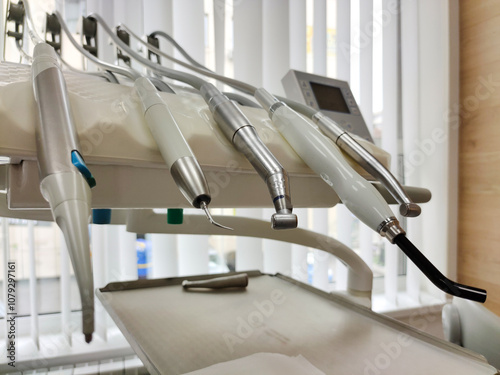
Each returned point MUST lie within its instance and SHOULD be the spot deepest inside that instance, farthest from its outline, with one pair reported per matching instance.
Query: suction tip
(88, 338)
(410, 209)
(204, 207)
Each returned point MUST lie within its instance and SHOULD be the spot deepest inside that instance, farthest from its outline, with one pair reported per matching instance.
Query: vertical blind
(377, 46)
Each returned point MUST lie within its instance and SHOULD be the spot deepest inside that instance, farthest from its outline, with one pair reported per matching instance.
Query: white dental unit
(123, 149)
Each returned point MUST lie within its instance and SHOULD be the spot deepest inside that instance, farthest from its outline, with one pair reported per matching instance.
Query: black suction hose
(435, 276)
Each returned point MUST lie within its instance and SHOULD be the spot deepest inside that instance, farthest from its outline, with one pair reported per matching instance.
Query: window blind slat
(344, 234)
(297, 31)
(277, 255)
(299, 253)
(321, 258)
(65, 292)
(249, 254)
(32, 284)
(219, 7)
(99, 243)
(410, 122)
(391, 273)
(365, 56)
(390, 125)
(164, 255)
(275, 44)
(343, 42)
(128, 254)
(247, 52)
(158, 15)
(189, 28)
(319, 37)
(193, 254)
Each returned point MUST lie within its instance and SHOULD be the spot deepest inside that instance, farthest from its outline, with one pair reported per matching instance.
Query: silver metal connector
(390, 229)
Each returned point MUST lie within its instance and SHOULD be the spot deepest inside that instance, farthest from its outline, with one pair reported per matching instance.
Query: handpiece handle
(65, 180)
(241, 133)
(174, 148)
(356, 151)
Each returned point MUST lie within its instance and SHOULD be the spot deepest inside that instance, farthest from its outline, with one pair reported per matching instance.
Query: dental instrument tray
(124, 158)
(177, 331)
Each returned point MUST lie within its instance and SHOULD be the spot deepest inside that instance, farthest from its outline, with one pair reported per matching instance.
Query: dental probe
(355, 192)
(328, 127)
(177, 154)
(237, 129)
(65, 180)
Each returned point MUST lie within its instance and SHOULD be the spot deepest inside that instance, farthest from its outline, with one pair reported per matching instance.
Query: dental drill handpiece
(357, 194)
(356, 151)
(183, 166)
(65, 181)
(238, 130)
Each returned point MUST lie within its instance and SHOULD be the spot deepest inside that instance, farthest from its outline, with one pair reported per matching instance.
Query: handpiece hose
(435, 276)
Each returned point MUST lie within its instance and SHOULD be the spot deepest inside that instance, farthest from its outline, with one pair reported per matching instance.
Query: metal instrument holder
(15, 13)
(53, 28)
(125, 38)
(89, 35)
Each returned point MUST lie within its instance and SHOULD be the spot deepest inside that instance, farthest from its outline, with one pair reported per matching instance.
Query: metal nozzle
(88, 338)
(410, 209)
(204, 207)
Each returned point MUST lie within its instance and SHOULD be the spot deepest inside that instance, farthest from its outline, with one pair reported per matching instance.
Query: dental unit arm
(65, 181)
(237, 129)
(361, 198)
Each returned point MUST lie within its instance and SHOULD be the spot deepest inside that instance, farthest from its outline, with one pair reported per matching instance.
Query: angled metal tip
(88, 338)
(204, 207)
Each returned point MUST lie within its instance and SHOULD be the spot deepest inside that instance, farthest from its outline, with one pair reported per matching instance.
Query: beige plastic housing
(124, 158)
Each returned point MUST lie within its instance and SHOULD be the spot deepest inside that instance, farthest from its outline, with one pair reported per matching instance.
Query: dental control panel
(330, 96)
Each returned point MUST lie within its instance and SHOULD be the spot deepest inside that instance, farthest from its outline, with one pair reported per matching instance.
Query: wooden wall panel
(479, 163)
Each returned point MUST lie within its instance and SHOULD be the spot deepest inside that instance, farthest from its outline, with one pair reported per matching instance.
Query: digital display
(329, 98)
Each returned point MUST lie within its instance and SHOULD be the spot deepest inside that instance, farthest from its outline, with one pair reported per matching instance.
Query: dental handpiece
(352, 148)
(241, 133)
(343, 139)
(362, 199)
(238, 130)
(174, 149)
(65, 181)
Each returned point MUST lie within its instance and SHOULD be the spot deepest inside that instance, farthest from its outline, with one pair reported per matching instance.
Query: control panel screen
(329, 98)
